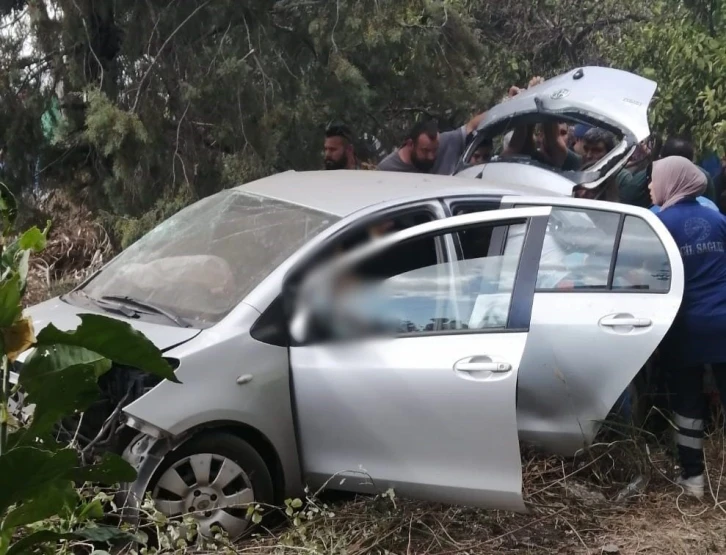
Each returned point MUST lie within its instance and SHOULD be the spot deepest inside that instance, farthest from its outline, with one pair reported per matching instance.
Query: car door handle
(481, 364)
(625, 321)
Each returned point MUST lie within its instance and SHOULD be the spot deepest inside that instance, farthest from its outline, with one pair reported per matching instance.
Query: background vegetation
(134, 109)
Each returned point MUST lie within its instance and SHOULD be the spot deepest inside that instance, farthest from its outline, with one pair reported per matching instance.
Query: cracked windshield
(204, 260)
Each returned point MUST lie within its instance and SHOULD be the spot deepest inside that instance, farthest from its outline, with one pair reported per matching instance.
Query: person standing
(338, 150)
(426, 150)
(696, 337)
(677, 146)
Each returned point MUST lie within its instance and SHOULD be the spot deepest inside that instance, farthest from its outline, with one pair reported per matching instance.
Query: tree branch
(156, 58)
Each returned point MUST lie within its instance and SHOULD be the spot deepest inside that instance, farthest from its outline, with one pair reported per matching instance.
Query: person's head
(579, 136)
(597, 143)
(675, 178)
(422, 144)
(677, 146)
(563, 129)
(483, 153)
(338, 149)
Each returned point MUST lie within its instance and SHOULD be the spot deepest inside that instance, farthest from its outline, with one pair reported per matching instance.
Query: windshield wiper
(145, 305)
(108, 306)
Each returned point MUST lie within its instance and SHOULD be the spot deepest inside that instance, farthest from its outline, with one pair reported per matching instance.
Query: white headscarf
(676, 178)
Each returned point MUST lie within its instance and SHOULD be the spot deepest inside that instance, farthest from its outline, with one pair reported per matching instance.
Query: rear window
(593, 250)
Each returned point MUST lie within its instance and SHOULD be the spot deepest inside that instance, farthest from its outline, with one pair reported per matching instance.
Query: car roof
(343, 192)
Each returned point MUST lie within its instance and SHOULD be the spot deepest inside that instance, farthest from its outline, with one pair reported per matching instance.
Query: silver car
(520, 314)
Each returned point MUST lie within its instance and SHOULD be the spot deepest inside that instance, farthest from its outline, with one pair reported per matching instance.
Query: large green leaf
(63, 393)
(34, 239)
(113, 339)
(26, 472)
(111, 469)
(10, 293)
(47, 360)
(54, 499)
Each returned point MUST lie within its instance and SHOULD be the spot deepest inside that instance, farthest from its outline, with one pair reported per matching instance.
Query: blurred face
(579, 147)
(481, 155)
(592, 152)
(336, 153)
(379, 230)
(564, 130)
(423, 152)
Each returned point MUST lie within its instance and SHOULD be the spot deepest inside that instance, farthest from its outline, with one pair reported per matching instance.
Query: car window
(642, 263)
(579, 254)
(578, 250)
(430, 296)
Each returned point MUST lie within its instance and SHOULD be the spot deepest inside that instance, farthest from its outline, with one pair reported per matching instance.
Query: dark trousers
(690, 405)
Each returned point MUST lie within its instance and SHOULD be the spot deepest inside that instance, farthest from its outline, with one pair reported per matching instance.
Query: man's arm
(633, 188)
(474, 122)
(522, 141)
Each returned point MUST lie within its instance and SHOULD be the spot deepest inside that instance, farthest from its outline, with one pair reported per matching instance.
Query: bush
(39, 500)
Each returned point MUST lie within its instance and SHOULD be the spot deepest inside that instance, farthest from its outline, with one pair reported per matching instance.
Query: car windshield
(200, 263)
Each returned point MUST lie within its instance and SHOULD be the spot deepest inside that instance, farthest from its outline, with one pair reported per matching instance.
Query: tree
(683, 48)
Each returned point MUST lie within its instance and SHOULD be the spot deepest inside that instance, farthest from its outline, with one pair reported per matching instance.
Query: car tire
(215, 477)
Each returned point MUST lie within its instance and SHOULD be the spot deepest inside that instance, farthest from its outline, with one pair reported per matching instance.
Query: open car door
(425, 404)
(609, 286)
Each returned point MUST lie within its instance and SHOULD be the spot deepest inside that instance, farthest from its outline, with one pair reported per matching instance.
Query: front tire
(214, 477)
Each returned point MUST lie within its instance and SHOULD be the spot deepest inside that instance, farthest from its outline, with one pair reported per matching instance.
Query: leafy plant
(39, 502)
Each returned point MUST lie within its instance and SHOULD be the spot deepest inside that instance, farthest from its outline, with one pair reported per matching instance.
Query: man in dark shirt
(678, 146)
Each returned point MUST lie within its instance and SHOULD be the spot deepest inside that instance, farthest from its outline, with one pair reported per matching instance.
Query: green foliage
(141, 107)
(679, 49)
(38, 499)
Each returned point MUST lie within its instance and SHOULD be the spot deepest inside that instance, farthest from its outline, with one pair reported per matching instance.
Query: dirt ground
(576, 507)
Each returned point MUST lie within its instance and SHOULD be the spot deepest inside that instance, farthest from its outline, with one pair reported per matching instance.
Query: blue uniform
(703, 201)
(700, 234)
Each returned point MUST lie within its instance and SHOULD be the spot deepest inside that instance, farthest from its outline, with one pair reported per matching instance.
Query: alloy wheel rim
(211, 488)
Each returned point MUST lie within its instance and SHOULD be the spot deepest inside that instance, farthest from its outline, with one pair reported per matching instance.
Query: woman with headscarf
(697, 336)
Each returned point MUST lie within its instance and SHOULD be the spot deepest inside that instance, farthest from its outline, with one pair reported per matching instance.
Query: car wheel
(213, 477)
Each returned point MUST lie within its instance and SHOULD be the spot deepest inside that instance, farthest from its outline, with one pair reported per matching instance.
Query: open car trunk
(608, 98)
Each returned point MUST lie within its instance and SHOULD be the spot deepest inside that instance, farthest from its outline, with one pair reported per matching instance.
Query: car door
(609, 286)
(430, 409)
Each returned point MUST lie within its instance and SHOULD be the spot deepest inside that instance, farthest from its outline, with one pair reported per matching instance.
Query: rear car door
(428, 410)
(609, 286)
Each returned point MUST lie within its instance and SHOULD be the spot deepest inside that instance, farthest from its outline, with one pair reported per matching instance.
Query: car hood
(64, 316)
(598, 95)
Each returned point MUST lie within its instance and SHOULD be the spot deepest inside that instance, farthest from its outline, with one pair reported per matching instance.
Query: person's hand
(537, 80)
(514, 91)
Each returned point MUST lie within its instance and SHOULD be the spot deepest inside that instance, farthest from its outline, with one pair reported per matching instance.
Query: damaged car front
(182, 285)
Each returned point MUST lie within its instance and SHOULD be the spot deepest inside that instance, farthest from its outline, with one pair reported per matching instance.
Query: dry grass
(574, 509)
(77, 246)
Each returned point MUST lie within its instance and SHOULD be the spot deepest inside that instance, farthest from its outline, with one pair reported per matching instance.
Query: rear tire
(215, 477)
